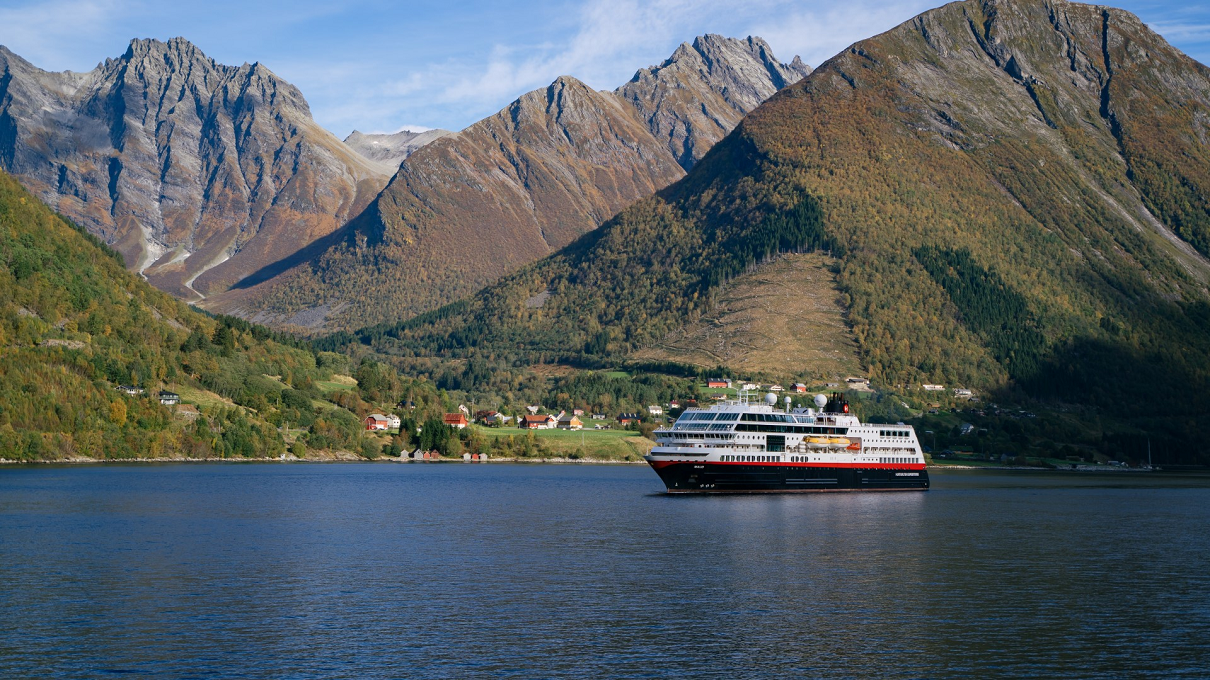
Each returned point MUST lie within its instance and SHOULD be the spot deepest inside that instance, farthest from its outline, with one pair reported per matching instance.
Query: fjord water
(449, 570)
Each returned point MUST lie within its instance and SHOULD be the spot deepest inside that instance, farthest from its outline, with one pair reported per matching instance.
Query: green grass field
(596, 444)
(338, 382)
(204, 400)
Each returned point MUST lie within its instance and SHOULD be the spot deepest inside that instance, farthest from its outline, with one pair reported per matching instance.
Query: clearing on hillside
(783, 318)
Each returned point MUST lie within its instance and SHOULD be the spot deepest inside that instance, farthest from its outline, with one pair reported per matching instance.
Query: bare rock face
(389, 150)
(199, 173)
(699, 94)
(556, 163)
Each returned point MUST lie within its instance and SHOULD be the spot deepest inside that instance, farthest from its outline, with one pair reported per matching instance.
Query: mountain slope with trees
(75, 326)
(1016, 193)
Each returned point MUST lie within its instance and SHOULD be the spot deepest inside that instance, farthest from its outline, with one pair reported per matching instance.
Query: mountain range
(470, 207)
(198, 173)
(1010, 195)
(206, 176)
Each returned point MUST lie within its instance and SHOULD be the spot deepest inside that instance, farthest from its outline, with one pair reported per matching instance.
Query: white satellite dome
(821, 400)
(770, 399)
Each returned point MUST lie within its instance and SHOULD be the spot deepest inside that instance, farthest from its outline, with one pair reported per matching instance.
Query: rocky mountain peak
(198, 172)
(700, 93)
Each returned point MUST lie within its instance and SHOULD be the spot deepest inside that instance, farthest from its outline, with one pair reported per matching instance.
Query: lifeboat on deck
(818, 442)
(838, 442)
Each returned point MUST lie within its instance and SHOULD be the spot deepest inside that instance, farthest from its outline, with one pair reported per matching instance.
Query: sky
(382, 66)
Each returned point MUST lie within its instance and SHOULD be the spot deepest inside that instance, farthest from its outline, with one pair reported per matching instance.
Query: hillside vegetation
(1016, 193)
(75, 325)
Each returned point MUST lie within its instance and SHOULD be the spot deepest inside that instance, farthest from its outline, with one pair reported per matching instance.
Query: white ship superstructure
(747, 445)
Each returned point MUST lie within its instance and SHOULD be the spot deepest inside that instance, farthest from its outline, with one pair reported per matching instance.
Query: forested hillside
(75, 325)
(1016, 192)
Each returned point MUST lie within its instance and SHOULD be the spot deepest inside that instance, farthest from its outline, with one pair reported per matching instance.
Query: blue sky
(376, 65)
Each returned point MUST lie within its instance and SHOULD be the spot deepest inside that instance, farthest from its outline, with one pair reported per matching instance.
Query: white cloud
(45, 33)
(1183, 32)
(818, 35)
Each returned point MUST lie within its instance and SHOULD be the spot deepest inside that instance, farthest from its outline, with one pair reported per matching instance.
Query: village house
(456, 420)
(577, 411)
(494, 418)
(655, 410)
(776, 388)
(393, 421)
(858, 383)
(799, 388)
(169, 398)
(628, 418)
(376, 421)
(570, 423)
(933, 388)
(598, 416)
(966, 429)
(130, 390)
(962, 393)
(751, 386)
(542, 422)
(718, 382)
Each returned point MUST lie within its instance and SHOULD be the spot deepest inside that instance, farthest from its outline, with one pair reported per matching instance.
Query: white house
(393, 421)
(933, 388)
(655, 410)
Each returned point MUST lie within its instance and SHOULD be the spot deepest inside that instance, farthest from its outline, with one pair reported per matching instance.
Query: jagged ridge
(556, 163)
(199, 173)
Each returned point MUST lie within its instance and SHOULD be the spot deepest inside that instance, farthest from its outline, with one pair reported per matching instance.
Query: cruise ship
(746, 445)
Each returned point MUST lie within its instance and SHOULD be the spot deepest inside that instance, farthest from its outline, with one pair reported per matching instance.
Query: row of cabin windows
(896, 461)
(695, 436)
(716, 427)
(750, 459)
(767, 418)
(893, 433)
(799, 429)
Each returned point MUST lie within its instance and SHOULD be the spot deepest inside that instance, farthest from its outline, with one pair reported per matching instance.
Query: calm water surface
(450, 570)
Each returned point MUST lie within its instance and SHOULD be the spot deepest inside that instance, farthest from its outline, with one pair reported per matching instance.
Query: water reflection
(452, 570)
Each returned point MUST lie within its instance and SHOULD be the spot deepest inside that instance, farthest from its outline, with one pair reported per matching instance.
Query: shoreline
(1033, 468)
(350, 458)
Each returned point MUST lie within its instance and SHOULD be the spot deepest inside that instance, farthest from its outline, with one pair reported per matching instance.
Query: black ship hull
(704, 477)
